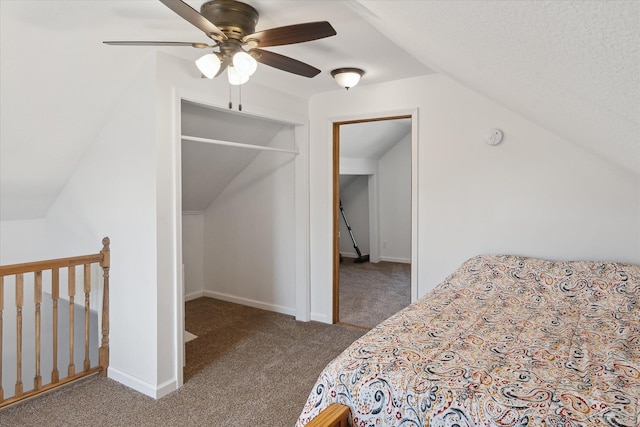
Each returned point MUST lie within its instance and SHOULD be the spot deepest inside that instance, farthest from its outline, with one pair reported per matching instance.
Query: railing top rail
(28, 267)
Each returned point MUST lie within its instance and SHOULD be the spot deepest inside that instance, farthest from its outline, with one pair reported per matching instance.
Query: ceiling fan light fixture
(245, 63)
(236, 32)
(208, 65)
(347, 77)
(236, 77)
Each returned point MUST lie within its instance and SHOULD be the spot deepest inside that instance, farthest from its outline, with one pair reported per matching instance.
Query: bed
(503, 341)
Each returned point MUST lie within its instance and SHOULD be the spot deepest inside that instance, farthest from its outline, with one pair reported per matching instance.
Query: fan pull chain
(239, 98)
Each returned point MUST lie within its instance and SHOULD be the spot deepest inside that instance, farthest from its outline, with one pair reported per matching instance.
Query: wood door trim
(336, 203)
(336, 224)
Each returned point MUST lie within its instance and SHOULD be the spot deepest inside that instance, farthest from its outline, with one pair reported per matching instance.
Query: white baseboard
(391, 259)
(166, 388)
(381, 258)
(193, 295)
(319, 317)
(251, 303)
(349, 254)
(143, 387)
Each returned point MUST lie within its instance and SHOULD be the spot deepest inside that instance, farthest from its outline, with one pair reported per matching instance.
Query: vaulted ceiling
(572, 67)
(371, 140)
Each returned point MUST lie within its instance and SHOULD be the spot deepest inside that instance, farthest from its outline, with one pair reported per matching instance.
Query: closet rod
(235, 144)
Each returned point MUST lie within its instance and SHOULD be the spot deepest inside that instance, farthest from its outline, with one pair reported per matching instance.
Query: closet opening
(239, 215)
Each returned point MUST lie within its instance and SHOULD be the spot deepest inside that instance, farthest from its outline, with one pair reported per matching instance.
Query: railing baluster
(1, 329)
(87, 290)
(19, 302)
(37, 381)
(103, 357)
(72, 293)
(55, 294)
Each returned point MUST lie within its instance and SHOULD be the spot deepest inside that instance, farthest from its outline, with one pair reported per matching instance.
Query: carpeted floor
(369, 293)
(247, 367)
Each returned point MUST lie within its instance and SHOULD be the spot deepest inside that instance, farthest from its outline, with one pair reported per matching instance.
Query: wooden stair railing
(18, 271)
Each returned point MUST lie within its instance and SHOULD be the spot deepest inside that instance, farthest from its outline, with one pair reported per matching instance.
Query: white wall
(249, 243)
(127, 187)
(394, 202)
(535, 194)
(113, 193)
(193, 254)
(21, 241)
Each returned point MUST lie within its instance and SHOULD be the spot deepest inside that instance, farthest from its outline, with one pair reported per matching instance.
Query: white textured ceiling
(572, 67)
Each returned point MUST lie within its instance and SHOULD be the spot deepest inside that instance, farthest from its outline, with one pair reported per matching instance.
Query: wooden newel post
(103, 354)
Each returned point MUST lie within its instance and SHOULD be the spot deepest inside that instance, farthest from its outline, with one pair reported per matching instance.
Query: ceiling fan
(237, 46)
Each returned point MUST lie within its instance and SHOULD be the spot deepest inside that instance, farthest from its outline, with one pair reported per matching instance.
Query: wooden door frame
(336, 202)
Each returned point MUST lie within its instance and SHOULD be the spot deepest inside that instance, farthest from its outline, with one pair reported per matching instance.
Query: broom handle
(353, 239)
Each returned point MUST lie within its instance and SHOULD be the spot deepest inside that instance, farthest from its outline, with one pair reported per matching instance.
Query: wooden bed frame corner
(335, 415)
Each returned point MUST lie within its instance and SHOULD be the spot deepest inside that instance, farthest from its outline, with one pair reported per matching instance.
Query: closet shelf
(235, 144)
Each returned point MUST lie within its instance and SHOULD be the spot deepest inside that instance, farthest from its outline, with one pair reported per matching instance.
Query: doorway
(372, 177)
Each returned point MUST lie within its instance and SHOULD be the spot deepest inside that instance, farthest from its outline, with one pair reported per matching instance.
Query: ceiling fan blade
(284, 63)
(152, 43)
(291, 34)
(195, 18)
(223, 65)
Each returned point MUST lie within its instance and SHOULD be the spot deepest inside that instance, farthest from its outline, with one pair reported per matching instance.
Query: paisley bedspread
(503, 341)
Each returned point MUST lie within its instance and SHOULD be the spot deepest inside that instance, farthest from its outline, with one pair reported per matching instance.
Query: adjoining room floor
(370, 293)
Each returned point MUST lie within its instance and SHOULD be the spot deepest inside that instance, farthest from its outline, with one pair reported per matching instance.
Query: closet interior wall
(238, 208)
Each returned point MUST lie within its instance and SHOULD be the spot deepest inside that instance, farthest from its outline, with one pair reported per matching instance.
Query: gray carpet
(370, 293)
(247, 367)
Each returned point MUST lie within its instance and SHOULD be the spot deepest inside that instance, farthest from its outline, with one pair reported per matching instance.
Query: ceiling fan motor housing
(234, 18)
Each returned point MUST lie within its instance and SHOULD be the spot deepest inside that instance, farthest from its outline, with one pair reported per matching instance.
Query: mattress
(503, 341)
